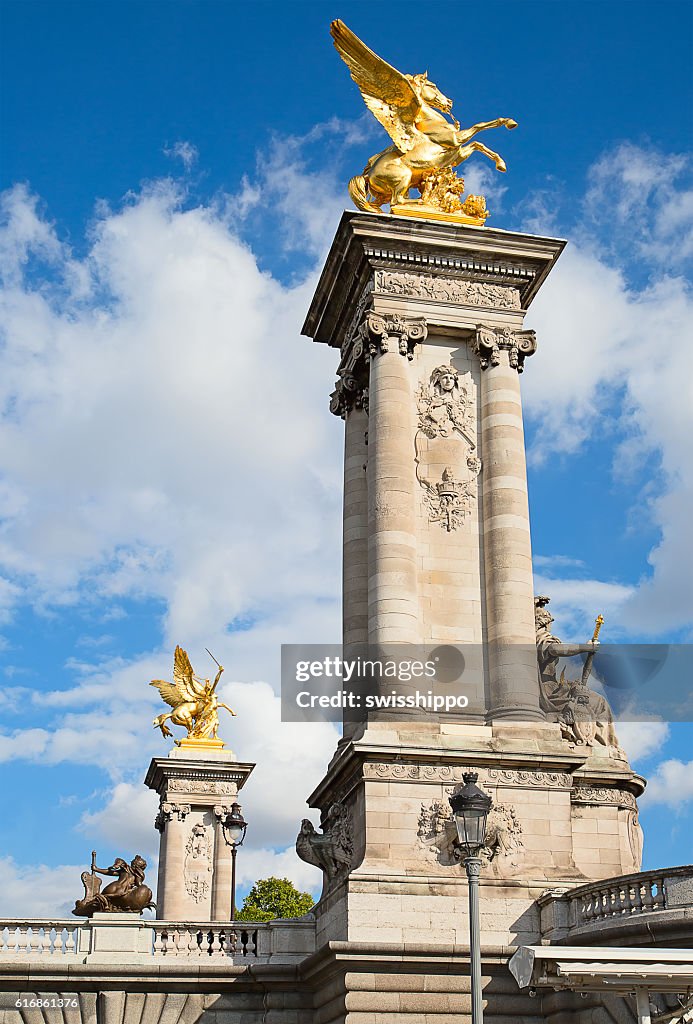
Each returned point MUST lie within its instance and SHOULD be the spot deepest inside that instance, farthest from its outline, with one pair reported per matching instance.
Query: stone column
(195, 784)
(392, 569)
(221, 879)
(171, 820)
(511, 634)
(355, 549)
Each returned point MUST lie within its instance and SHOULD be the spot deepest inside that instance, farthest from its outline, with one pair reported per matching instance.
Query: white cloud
(576, 602)
(641, 739)
(184, 151)
(671, 784)
(37, 890)
(617, 359)
(126, 823)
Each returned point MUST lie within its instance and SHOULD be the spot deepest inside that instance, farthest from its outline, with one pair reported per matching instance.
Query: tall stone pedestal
(428, 318)
(196, 783)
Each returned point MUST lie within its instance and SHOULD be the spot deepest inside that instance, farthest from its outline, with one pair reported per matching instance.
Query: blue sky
(173, 174)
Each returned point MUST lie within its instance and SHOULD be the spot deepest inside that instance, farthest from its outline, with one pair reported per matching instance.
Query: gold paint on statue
(194, 702)
(598, 623)
(426, 147)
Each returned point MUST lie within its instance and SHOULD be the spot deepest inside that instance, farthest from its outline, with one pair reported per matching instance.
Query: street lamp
(234, 826)
(470, 807)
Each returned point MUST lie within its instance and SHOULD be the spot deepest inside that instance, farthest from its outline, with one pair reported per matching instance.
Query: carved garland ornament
(603, 795)
(446, 289)
(449, 774)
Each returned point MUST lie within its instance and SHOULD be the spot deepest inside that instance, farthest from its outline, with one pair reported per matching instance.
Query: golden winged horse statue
(194, 701)
(427, 145)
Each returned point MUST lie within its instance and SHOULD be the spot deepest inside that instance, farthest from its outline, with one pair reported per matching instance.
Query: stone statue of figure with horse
(426, 145)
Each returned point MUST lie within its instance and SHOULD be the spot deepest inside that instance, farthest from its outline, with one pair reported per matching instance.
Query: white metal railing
(38, 938)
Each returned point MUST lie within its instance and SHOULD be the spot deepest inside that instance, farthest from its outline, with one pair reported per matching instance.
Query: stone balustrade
(217, 940)
(127, 939)
(38, 938)
(631, 901)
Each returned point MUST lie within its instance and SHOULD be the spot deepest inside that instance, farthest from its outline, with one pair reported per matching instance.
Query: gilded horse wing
(182, 689)
(387, 93)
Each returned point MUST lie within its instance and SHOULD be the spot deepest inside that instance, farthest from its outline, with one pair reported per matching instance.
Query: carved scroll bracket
(489, 342)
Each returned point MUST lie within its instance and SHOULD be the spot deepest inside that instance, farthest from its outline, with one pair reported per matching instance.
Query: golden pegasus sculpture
(194, 702)
(426, 147)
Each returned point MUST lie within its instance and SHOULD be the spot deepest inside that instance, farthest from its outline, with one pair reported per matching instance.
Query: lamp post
(470, 807)
(234, 826)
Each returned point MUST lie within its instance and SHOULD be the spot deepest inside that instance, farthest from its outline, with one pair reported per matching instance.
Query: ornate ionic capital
(381, 331)
(221, 810)
(489, 342)
(373, 335)
(168, 811)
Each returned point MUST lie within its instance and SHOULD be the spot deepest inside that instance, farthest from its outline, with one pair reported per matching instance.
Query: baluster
(159, 942)
(231, 942)
(648, 901)
(253, 949)
(33, 937)
(215, 948)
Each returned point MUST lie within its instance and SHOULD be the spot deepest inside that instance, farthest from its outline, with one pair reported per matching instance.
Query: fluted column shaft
(514, 689)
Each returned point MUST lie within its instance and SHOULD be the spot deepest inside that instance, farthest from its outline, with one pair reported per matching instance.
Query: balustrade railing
(630, 894)
(146, 939)
(29, 939)
(614, 901)
(173, 939)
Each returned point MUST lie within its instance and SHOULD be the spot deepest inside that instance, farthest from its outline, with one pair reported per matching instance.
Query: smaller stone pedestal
(197, 784)
(115, 938)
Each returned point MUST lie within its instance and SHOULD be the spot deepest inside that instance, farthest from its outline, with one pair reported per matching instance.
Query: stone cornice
(366, 242)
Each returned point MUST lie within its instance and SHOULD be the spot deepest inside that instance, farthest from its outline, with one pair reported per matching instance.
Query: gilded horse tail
(358, 190)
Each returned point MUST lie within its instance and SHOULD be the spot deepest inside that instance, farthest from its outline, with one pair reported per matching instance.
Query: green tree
(274, 897)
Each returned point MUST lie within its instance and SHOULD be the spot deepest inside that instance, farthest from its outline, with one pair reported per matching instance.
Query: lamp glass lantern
(470, 807)
(235, 826)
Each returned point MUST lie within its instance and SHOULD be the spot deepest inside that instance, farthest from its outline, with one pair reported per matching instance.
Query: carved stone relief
(374, 335)
(446, 407)
(603, 795)
(446, 289)
(509, 777)
(635, 838)
(201, 786)
(333, 850)
(437, 835)
(197, 870)
(167, 811)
